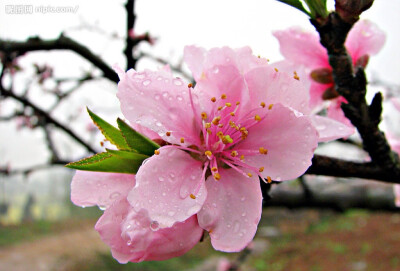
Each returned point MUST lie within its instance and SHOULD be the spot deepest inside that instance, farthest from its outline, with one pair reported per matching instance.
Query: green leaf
(127, 155)
(296, 4)
(109, 162)
(317, 8)
(137, 141)
(110, 132)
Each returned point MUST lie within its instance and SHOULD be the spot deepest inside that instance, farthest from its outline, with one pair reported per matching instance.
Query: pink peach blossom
(131, 235)
(243, 120)
(303, 48)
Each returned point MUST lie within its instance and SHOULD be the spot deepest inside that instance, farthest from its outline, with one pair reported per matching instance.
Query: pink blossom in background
(303, 48)
(243, 120)
(130, 235)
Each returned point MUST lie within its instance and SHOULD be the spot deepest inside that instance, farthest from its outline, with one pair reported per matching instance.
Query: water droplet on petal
(128, 226)
(171, 213)
(215, 70)
(184, 191)
(159, 78)
(158, 124)
(161, 179)
(102, 207)
(177, 82)
(179, 98)
(157, 97)
(244, 214)
(154, 226)
(146, 82)
(129, 243)
(241, 234)
(236, 226)
(115, 195)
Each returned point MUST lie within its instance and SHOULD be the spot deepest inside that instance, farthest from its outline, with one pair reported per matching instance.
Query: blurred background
(315, 223)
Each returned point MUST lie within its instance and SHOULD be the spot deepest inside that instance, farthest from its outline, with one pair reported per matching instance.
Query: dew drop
(321, 127)
(171, 213)
(158, 124)
(129, 243)
(164, 194)
(228, 226)
(154, 226)
(241, 234)
(184, 191)
(128, 226)
(157, 97)
(115, 195)
(244, 214)
(215, 70)
(165, 94)
(179, 98)
(159, 78)
(177, 82)
(138, 121)
(243, 199)
(161, 179)
(146, 82)
(236, 226)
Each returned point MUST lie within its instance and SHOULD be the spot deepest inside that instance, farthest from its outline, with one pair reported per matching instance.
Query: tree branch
(61, 43)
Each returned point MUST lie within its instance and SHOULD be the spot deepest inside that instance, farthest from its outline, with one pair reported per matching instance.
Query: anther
(220, 125)
(217, 176)
(270, 106)
(214, 169)
(227, 139)
(295, 76)
(249, 174)
(182, 140)
(216, 120)
(204, 115)
(192, 196)
(156, 152)
(232, 114)
(190, 85)
(261, 169)
(269, 180)
(208, 153)
(242, 157)
(257, 118)
(276, 69)
(263, 150)
(207, 125)
(228, 104)
(219, 108)
(168, 133)
(237, 103)
(262, 104)
(234, 153)
(213, 99)
(223, 96)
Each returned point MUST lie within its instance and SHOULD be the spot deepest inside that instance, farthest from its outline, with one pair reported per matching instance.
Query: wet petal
(302, 47)
(329, 129)
(132, 238)
(269, 86)
(232, 210)
(164, 184)
(365, 38)
(160, 102)
(90, 188)
(290, 140)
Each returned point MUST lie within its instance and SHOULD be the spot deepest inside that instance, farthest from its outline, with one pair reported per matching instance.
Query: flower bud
(350, 10)
(323, 75)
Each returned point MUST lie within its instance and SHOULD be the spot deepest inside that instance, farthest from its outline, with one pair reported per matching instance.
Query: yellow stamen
(216, 120)
(220, 125)
(217, 176)
(156, 152)
(237, 103)
(295, 76)
(227, 139)
(207, 125)
(269, 180)
(220, 134)
(214, 169)
(168, 133)
(257, 118)
(262, 104)
(182, 140)
(242, 157)
(219, 108)
(232, 114)
(261, 169)
(228, 104)
(263, 150)
(223, 96)
(213, 99)
(234, 153)
(190, 85)
(209, 132)
(204, 115)
(208, 153)
(276, 69)
(210, 231)
(270, 106)
(192, 196)
(249, 174)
